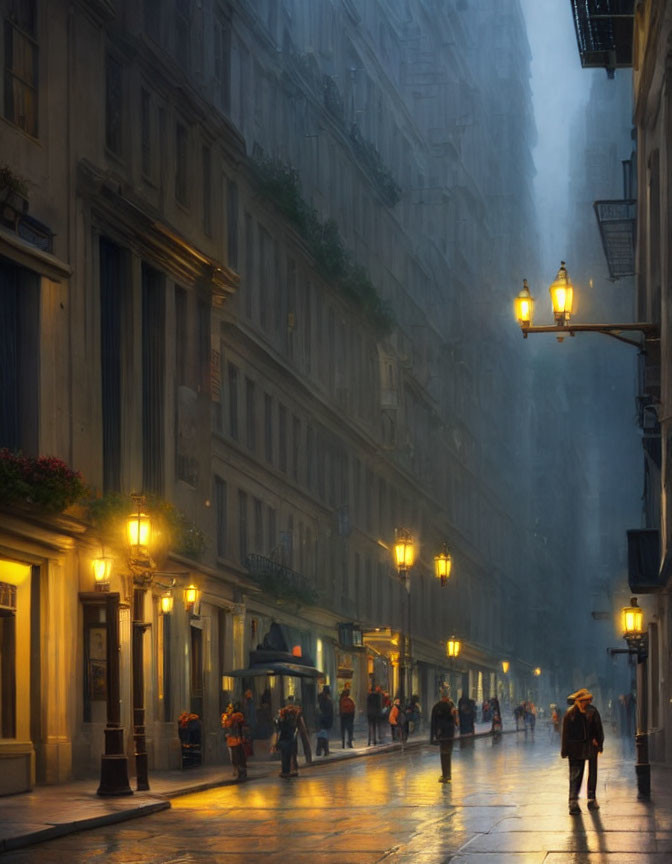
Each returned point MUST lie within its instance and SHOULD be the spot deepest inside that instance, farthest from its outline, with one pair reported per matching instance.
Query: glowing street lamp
(453, 647)
(523, 306)
(167, 602)
(536, 671)
(443, 564)
(139, 530)
(562, 296)
(404, 550)
(505, 666)
(632, 622)
(102, 572)
(191, 596)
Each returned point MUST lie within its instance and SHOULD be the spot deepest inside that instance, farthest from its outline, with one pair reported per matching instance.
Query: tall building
(255, 263)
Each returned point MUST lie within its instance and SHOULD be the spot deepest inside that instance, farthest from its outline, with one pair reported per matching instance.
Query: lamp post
(634, 633)
(139, 532)
(562, 299)
(404, 556)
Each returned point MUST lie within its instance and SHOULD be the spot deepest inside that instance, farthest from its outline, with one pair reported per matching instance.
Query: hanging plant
(44, 482)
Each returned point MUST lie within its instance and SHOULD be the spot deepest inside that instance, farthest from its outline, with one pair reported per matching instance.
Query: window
(309, 457)
(296, 446)
(250, 414)
(95, 662)
(113, 105)
(182, 33)
(272, 536)
(19, 357)
(7, 661)
(181, 163)
(152, 18)
(207, 192)
(268, 427)
(223, 63)
(232, 222)
(242, 525)
(233, 401)
(221, 515)
(204, 345)
(249, 264)
(153, 369)
(282, 437)
(181, 335)
(258, 527)
(111, 353)
(146, 132)
(21, 65)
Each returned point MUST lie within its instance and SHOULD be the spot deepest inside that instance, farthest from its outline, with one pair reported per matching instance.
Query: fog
(583, 133)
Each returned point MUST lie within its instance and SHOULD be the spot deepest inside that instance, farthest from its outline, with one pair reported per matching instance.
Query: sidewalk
(53, 811)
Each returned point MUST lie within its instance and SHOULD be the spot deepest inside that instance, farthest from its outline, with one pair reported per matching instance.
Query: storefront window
(7, 662)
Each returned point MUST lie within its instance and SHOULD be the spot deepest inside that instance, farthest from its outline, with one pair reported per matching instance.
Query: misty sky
(559, 87)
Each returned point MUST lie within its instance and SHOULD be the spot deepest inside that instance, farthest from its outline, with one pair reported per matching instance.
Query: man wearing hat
(582, 738)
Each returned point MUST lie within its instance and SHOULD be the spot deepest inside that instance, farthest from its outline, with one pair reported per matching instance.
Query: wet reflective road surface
(507, 803)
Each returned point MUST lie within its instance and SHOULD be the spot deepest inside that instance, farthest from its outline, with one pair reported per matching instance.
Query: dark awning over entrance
(278, 668)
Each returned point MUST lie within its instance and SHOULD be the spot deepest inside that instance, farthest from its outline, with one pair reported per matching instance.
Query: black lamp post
(634, 633)
(404, 555)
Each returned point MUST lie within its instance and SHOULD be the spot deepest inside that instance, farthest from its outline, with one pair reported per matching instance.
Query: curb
(12, 843)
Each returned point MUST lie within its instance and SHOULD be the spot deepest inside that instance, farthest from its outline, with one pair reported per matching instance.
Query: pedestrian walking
(232, 721)
(325, 719)
(466, 709)
(374, 706)
(582, 738)
(397, 721)
(442, 732)
(286, 725)
(346, 708)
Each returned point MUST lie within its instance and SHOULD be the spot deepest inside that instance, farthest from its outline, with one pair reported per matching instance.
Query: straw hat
(581, 695)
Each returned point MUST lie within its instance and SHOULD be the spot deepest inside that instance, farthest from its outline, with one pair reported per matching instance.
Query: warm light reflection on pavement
(507, 803)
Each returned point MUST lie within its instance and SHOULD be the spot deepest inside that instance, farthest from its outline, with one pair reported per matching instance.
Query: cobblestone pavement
(507, 803)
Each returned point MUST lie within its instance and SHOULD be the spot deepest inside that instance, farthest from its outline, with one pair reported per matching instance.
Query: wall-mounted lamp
(562, 300)
(192, 596)
(167, 602)
(102, 572)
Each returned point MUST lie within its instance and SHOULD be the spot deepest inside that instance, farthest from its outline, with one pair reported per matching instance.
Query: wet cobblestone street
(507, 803)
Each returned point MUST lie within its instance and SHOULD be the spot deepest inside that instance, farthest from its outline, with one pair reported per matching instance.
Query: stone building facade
(261, 277)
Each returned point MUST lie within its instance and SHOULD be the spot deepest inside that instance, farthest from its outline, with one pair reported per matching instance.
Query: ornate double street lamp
(453, 647)
(562, 300)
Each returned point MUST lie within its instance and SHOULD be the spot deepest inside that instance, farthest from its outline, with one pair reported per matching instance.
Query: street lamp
(443, 564)
(139, 535)
(404, 556)
(636, 636)
(536, 671)
(562, 300)
(453, 647)
(102, 572)
(505, 666)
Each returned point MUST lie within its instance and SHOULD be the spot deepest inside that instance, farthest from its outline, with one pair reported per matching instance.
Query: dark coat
(374, 705)
(578, 732)
(325, 706)
(442, 723)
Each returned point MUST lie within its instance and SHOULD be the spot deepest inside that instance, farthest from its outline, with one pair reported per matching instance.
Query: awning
(294, 669)
(645, 574)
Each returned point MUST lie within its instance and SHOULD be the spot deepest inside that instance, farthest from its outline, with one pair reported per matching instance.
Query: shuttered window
(110, 361)
(153, 366)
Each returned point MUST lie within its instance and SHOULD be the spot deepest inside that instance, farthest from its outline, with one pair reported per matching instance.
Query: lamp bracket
(650, 332)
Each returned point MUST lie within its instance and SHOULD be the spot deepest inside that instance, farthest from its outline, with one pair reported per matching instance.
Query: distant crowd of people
(579, 729)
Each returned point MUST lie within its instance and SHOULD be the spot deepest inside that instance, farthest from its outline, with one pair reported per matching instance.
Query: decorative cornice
(132, 221)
